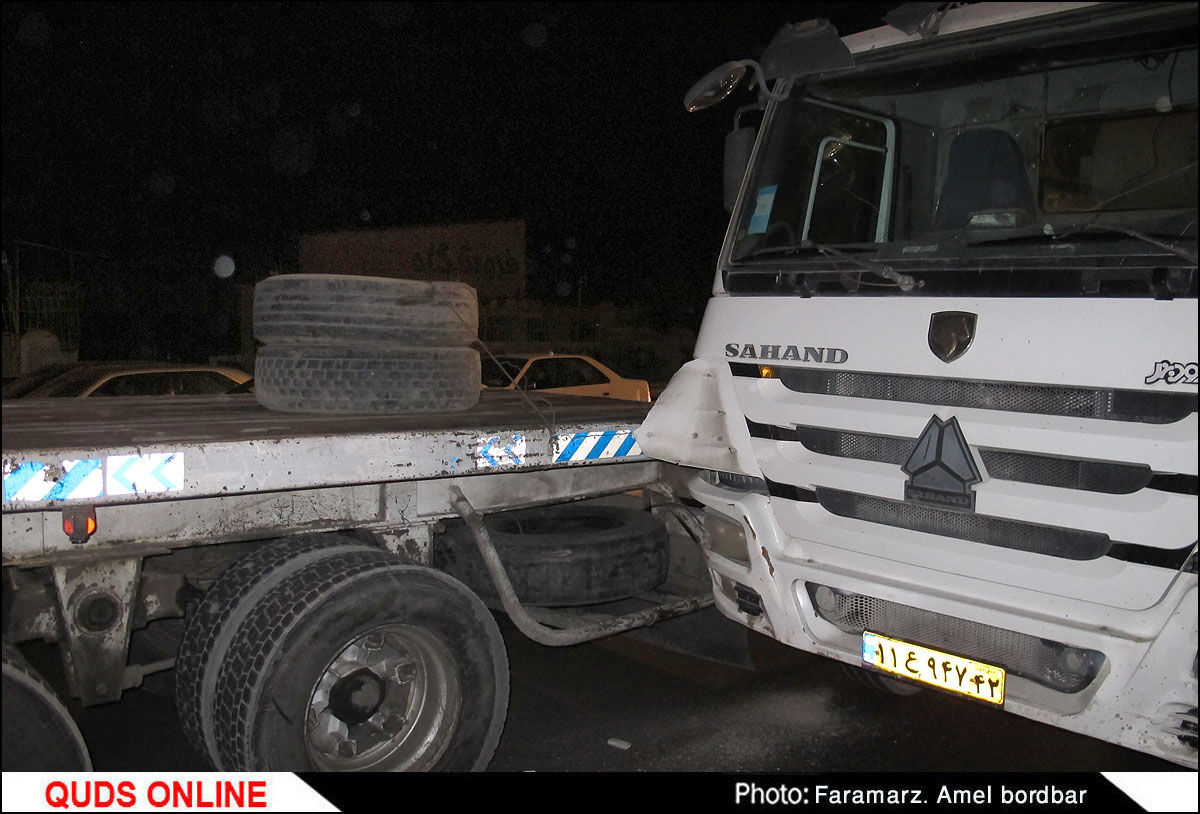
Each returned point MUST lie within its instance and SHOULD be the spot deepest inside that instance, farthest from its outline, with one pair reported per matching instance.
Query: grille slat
(1052, 541)
(982, 529)
(1041, 399)
(1089, 476)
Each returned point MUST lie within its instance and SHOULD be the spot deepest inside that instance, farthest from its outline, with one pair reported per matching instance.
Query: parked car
(20, 386)
(90, 379)
(561, 373)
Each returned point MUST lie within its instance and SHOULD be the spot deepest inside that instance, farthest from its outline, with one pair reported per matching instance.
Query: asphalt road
(622, 705)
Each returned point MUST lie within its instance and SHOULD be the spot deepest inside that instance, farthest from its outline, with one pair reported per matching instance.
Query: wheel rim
(388, 701)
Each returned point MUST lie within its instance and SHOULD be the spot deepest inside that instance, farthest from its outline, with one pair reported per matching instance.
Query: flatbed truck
(300, 547)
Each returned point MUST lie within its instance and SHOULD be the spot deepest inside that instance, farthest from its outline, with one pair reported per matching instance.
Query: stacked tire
(336, 343)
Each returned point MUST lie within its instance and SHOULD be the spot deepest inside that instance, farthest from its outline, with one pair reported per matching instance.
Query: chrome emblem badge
(941, 469)
(950, 333)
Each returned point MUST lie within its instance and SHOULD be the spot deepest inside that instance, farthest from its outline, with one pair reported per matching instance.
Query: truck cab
(942, 413)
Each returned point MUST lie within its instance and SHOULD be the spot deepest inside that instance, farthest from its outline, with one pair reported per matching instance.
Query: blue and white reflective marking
(500, 451)
(142, 474)
(34, 481)
(595, 446)
(91, 478)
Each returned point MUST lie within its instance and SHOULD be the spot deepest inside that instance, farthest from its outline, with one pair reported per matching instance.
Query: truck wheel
(209, 627)
(358, 664)
(361, 379)
(558, 556)
(39, 733)
(340, 308)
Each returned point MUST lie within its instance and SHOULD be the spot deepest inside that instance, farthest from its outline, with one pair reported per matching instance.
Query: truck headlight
(726, 537)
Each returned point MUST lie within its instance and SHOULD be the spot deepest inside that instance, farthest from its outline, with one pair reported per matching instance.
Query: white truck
(319, 574)
(942, 411)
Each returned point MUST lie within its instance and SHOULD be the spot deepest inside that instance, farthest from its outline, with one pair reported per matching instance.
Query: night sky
(143, 127)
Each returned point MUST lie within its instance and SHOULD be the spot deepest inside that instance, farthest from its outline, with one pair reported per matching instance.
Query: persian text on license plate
(973, 679)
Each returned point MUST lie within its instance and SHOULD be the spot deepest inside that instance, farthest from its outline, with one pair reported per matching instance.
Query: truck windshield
(947, 159)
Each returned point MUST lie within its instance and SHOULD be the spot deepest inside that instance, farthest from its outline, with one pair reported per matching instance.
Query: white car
(572, 374)
(92, 379)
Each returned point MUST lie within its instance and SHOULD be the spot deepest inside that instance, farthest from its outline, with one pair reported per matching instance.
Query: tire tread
(223, 607)
(366, 379)
(317, 309)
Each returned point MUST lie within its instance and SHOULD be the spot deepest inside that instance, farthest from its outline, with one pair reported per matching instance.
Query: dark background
(138, 129)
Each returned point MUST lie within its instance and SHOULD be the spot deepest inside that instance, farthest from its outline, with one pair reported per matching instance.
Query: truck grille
(1023, 520)
(1073, 402)
(1044, 470)
(1058, 666)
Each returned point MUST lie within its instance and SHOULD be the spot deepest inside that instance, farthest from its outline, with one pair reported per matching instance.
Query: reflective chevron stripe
(142, 474)
(595, 446)
(496, 451)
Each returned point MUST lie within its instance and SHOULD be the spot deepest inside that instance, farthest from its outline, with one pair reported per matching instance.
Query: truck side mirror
(715, 85)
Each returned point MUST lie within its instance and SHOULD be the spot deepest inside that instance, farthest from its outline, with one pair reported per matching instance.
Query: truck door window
(1120, 163)
(844, 197)
(826, 177)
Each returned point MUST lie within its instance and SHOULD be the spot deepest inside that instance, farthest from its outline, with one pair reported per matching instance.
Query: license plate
(946, 671)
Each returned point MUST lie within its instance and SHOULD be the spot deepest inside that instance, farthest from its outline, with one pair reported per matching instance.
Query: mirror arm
(763, 91)
(737, 115)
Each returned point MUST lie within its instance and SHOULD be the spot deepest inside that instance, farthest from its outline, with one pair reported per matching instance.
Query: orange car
(94, 379)
(561, 373)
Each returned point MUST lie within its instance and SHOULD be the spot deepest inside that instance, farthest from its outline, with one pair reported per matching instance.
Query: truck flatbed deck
(173, 456)
(39, 424)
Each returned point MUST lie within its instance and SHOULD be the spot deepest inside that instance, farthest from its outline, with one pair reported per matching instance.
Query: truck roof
(958, 20)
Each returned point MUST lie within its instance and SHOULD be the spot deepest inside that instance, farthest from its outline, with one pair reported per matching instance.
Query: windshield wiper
(805, 247)
(1151, 239)
(901, 281)
(1103, 207)
(1040, 234)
